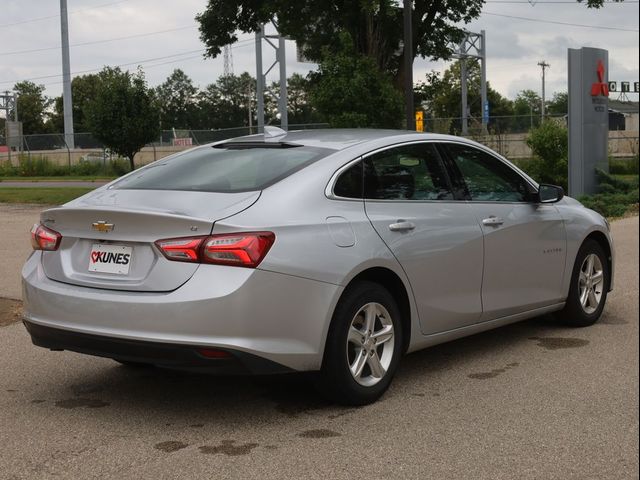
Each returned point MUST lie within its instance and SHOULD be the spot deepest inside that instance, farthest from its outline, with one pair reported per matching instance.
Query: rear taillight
(181, 249)
(245, 249)
(43, 238)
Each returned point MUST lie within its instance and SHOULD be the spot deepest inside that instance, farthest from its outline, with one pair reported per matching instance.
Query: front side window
(487, 178)
(410, 172)
(226, 169)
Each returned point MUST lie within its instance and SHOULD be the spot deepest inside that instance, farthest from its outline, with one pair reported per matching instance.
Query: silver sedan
(332, 251)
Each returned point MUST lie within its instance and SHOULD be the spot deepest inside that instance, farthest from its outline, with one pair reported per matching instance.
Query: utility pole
(408, 65)
(228, 61)
(66, 77)
(259, 80)
(261, 75)
(249, 96)
(463, 92)
(472, 46)
(544, 65)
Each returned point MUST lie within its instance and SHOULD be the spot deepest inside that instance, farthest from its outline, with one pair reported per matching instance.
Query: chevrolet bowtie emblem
(102, 226)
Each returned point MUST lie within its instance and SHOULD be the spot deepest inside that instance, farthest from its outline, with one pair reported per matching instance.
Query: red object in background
(4, 148)
(600, 88)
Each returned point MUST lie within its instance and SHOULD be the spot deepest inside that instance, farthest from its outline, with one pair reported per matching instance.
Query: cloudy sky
(162, 35)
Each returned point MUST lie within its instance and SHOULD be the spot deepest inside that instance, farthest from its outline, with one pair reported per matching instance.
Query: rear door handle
(493, 221)
(401, 226)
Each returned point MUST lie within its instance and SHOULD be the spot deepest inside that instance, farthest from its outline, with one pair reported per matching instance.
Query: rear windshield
(225, 170)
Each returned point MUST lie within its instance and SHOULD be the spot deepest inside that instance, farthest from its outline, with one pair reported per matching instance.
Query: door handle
(401, 226)
(493, 221)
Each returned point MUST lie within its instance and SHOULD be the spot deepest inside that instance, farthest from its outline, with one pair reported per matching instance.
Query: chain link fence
(506, 135)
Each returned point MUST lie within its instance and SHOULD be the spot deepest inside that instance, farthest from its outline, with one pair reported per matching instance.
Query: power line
(95, 42)
(31, 20)
(239, 44)
(539, 20)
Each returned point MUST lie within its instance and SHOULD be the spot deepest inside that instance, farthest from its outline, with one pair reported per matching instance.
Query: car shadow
(169, 398)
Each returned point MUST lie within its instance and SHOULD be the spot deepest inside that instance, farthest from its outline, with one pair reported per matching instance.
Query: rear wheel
(363, 347)
(589, 286)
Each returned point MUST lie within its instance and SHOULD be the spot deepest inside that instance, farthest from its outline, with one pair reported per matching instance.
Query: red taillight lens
(181, 249)
(246, 249)
(43, 238)
(242, 249)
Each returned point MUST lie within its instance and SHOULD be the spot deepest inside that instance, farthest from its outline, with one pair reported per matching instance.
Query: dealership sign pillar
(588, 118)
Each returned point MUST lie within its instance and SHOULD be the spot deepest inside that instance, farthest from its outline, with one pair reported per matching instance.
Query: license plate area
(114, 259)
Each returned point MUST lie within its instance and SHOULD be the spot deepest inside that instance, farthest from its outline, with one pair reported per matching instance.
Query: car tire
(363, 347)
(590, 282)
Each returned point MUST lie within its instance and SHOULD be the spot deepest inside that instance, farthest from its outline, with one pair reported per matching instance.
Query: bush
(623, 166)
(550, 145)
(615, 198)
(349, 90)
(41, 166)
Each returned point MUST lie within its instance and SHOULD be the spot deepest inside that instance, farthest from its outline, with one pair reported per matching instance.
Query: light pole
(67, 104)
(408, 64)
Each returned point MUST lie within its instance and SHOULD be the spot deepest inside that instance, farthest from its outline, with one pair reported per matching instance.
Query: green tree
(550, 145)
(123, 114)
(440, 96)
(375, 26)
(83, 90)
(177, 98)
(597, 3)
(299, 105)
(559, 104)
(32, 107)
(526, 108)
(226, 103)
(350, 91)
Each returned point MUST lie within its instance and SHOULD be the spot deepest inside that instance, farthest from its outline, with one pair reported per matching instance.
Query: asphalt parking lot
(530, 401)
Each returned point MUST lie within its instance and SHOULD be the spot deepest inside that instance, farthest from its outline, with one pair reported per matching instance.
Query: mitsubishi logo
(600, 88)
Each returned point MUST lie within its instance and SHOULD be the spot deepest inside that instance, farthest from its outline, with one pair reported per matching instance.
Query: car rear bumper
(278, 318)
(155, 353)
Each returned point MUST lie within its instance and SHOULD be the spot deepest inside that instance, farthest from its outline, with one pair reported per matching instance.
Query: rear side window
(225, 170)
(349, 184)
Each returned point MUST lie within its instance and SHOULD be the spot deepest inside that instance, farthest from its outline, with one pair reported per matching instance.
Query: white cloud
(514, 46)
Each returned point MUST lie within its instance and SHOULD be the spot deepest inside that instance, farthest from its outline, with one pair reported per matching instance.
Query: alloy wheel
(370, 344)
(591, 283)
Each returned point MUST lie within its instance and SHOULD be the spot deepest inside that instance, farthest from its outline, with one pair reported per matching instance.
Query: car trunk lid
(107, 244)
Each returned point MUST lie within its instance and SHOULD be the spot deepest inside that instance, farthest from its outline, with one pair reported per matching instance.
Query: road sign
(613, 86)
(485, 112)
(419, 121)
(14, 133)
(182, 142)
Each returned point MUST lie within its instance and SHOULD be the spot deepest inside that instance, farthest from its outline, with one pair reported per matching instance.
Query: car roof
(339, 138)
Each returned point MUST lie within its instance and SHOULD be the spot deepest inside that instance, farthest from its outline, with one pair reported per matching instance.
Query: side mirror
(549, 193)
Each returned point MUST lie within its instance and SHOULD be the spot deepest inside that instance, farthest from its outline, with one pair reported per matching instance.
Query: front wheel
(364, 346)
(589, 286)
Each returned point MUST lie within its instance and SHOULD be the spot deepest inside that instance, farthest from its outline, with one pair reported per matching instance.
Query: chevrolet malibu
(332, 251)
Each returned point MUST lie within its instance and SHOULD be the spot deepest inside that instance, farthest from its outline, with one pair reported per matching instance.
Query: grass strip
(47, 196)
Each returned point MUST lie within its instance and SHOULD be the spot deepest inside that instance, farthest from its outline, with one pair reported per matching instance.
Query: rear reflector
(213, 353)
(245, 249)
(43, 238)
